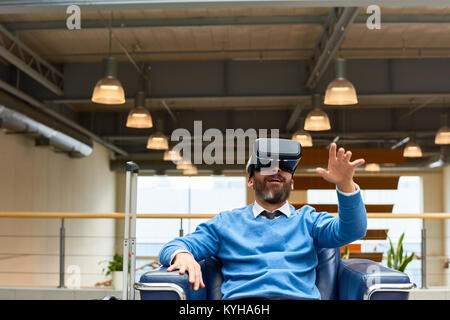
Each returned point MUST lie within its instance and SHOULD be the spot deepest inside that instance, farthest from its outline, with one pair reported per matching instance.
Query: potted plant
(115, 268)
(395, 258)
(346, 254)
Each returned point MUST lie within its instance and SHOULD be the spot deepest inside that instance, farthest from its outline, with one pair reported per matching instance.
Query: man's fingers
(198, 276)
(182, 269)
(323, 173)
(357, 163)
(332, 151)
(172, 267)
(347, 156)
(340, 154)
(202, 285)
(191, 274)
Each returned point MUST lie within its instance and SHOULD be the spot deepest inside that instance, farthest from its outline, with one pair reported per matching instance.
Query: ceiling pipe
(19, 123)
(55, 115)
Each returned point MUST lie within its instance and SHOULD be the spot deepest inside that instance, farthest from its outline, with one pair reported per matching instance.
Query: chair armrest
(360, 279)
(162, 285)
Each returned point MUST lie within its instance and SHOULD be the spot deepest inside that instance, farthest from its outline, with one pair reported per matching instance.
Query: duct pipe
(17, 122)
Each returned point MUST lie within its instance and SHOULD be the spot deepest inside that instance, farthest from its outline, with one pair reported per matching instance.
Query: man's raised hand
(340, 169)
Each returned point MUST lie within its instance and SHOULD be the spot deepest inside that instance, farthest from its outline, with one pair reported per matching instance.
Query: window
(406, 199)
(172, 195)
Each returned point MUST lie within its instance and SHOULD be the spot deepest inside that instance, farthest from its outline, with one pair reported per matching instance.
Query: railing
(117, 215)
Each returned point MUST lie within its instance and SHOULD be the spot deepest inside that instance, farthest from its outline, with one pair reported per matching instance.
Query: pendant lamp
(340, 91)
(412, 150)
(183, 164)
(372, 167)
(443, 135)
(157, 141)
(108, 89)
(303, 137)
(139, 117)
(192, 170)
(172, 155)
(317, 120)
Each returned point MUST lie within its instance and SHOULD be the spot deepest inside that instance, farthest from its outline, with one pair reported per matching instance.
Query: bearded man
(268, 249)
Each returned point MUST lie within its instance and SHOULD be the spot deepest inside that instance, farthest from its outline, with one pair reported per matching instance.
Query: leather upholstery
(162, 276)
(212, 268)
(335, 279)
(357, 275)
(326, 272)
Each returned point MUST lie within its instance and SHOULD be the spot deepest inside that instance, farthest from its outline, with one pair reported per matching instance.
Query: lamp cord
(110, 33)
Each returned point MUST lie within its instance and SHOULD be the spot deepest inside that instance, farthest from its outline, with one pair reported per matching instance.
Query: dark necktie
(271, 215)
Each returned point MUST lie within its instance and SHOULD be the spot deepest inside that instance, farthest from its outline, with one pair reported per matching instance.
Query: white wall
(446, 195)
(38, 179)
(433, 202)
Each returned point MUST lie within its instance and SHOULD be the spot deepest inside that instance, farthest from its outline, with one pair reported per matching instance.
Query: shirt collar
(285, 209)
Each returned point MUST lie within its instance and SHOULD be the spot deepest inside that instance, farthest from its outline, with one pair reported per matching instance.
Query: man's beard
(274, 194)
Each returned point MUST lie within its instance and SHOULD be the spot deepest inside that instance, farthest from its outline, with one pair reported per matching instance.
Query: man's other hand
(184, 261)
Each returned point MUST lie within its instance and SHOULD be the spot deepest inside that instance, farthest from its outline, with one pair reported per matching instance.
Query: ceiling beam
(378, 101)
(333, 35)
(378, 135)
(364, 53)
(48, 6)
(220, 21)
(20, 55)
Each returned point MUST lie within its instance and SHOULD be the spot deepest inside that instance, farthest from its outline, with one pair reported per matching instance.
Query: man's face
(273, 188)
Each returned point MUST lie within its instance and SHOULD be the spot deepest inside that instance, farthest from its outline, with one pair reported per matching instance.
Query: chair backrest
(327, 271)
(326, 274)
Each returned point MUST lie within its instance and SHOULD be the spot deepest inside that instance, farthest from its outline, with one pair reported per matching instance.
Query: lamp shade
(443, 136)
(340, 91)
(139, 118)
(303, 137)
(372, 167)
(317, 120)
(172, 155)
(183, 164)
(412, 150)
(109, 90)
(192, 170)
(157, 141)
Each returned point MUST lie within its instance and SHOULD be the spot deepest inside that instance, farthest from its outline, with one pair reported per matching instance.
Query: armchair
(336, 279)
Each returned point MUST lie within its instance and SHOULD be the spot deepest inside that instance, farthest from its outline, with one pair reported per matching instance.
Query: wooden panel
(316, 157)
(317, 182)
(375, 234)
(352, 247)
(393, 35)
(381, 208)
(374, 256)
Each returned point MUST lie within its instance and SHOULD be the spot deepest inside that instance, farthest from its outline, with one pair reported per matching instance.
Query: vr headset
(269, 154)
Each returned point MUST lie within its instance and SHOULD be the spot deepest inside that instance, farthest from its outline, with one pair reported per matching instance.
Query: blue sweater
(272, 257)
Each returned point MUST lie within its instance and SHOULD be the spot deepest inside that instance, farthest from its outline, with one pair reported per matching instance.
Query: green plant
(116, 264)
(395, 258)
(346, 254)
